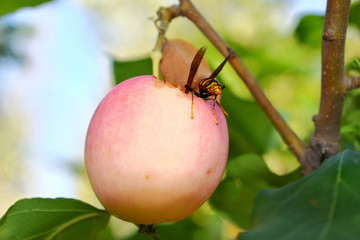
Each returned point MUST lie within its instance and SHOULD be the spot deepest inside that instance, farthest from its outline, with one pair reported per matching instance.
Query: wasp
(209, 88)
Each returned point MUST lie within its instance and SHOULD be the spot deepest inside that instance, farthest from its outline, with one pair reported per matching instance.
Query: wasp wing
(219, 68)
(194, 66)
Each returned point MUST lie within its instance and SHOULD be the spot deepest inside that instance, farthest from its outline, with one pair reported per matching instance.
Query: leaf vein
(351, 190)
(47, 211)
(58, 229)
(325, 230)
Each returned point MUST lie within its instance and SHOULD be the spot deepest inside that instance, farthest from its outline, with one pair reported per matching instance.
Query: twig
(326, 138)
(291, 139)
(351, 84)
(165, 15)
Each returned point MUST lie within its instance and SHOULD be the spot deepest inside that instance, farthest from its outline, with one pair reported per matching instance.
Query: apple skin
(146, 159)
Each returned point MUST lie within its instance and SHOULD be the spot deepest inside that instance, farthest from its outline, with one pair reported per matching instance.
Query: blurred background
(59, 59)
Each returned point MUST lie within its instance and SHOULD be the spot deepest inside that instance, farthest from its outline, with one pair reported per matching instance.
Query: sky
(57, 92)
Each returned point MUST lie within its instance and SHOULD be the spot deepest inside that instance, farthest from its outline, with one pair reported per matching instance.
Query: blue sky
(57, 91)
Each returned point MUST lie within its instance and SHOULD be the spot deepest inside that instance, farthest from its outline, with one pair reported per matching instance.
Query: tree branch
(351, 84)
(326, 138)
(290, 138)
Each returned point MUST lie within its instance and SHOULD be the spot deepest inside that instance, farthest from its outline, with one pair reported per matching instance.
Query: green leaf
(324, 205)
(8, 6)
(354, 17)
(354, 65)
(130, 69)
(243, 116)
(10, 33)
(350, 132)
(106, 234)
(246, 176)
(350, 129)
(59, 218)
(309, 30)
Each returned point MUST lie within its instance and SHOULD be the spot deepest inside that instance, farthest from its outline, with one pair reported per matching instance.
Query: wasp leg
(170, 83)
(216, 121)
(222, 109)
(192, 104)
(192, 99)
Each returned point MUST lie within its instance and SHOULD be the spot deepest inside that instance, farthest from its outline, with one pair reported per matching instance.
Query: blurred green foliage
(8, 31)
(309, 30)
(354, 17)
(127, 69)
(8, 6)
(246, 176)
(354, 66)
(350, 130)
(243, 137)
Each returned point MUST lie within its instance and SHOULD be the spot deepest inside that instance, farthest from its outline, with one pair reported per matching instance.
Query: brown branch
(326, 138)
(165, 15)
(290, 138)
(351, 84)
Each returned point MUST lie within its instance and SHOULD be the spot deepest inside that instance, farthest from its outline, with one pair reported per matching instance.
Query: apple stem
(149, 230)
(156, 58)
(165, 15)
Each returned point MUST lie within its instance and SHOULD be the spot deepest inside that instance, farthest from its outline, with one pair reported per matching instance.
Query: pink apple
(147, 160)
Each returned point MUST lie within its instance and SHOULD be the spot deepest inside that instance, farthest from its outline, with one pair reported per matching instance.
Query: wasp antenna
(220, 67)
(194, 67)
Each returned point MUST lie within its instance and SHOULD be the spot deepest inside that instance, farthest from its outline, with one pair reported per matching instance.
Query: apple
(147, 160)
